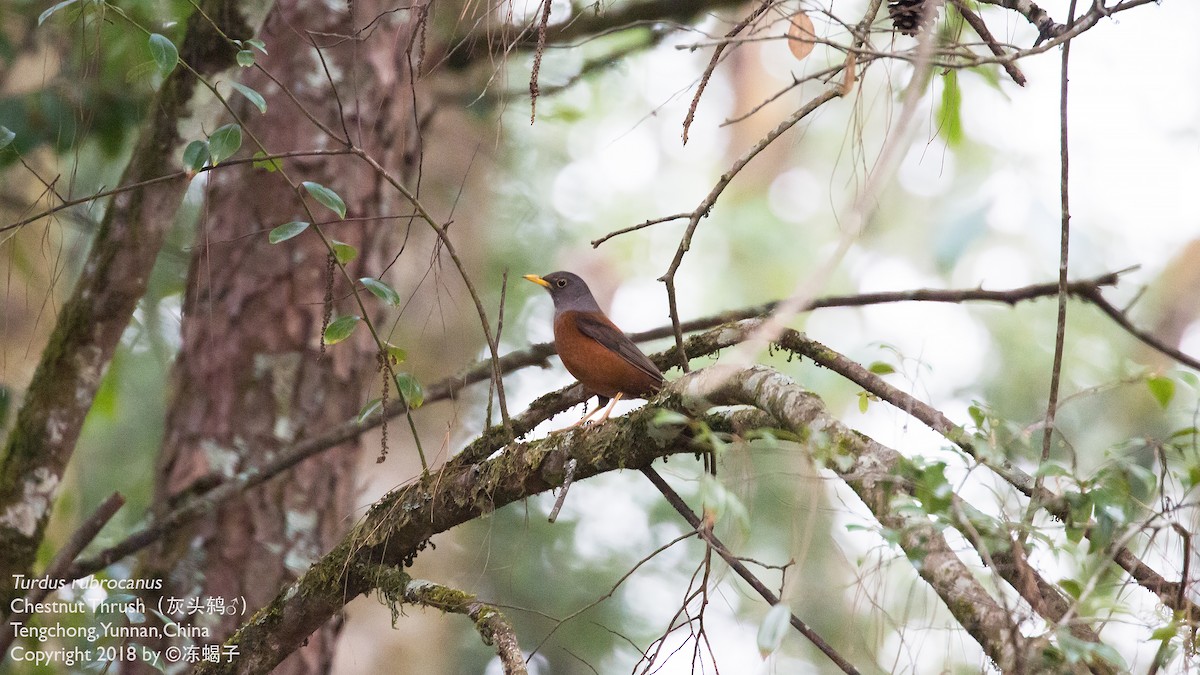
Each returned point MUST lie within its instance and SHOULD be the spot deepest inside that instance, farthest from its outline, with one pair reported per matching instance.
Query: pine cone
(907, 14)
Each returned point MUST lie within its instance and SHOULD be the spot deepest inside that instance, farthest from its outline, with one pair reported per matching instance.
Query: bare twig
(613, 589)
(653, 221)
(716, 58)
(977, 24)
(444, 238)
(568, 479)
(1064, 248)
(149, 182)
(1094, 296)
(865, 202)
(707, 203)
(736, 565)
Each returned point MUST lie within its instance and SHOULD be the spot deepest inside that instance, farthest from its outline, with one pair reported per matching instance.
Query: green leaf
(369, 409)
(1166, 632)
(932, 488)
(772, 629)
(195, 155)
(327, 197)
(341, 328)
(286, 231)
(1080, 651)
(224, 142)
(669, 418)
(381, 290)
(1162, 388)
(140, 72)
(410, 390)
(343, 252)
(257, 44)
(271, 164)
(6, 136)
(949, 114)
(977, 416)
(990, 74)
(864, 400)
(54, 8)
(722, 502)
(1182, 433)
(395, 354)
(1052, 468)
(164, 53)
(245, 58)
(1110, 655)
(881, 368)
(1189, 378)
(253, 96)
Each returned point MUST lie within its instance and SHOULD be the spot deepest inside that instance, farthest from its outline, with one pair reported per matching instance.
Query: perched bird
(593, 349)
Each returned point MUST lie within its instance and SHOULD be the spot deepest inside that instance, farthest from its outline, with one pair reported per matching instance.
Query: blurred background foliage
(974, 204)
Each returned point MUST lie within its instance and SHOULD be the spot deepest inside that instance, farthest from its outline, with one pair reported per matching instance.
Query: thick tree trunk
(250, 376)
(93, 319)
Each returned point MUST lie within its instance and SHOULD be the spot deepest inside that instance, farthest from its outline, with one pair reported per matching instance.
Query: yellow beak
(537, 280)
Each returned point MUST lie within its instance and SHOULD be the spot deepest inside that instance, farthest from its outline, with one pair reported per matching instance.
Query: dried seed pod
(908, 14)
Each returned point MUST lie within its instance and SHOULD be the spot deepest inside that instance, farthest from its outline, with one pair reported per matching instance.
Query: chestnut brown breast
(599, 355)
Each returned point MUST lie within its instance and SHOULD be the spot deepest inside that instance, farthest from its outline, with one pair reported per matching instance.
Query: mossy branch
(493, 627)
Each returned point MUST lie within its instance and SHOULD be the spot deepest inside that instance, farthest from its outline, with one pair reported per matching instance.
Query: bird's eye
(561, 282)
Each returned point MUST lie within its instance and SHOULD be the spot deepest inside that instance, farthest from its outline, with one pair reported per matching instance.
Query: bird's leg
(587, 417)
(609, 407)
(606, 408)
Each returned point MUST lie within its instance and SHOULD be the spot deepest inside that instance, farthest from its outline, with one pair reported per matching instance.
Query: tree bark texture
(92, 321)
(250, 377)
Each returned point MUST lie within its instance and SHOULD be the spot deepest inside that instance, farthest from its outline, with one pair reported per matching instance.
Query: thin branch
(736, 565)
(977, 24)
(494, 628)
(711, 199)
(568, 480)
(56, 571)
(1167, 591)
(551, 404)
(1064, 248)
(177, 175)
(612, 589)
(1094, 296)
(444, 238)
(712, 64)
(855, 219)
(874, 472)
(653, 221)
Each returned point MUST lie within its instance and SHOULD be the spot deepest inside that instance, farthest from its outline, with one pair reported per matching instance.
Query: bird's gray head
(568, 291)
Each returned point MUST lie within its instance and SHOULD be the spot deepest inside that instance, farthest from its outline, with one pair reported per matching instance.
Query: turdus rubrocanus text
(593, 349)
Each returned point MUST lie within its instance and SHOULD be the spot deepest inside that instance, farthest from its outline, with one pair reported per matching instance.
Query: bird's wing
(608, 335)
